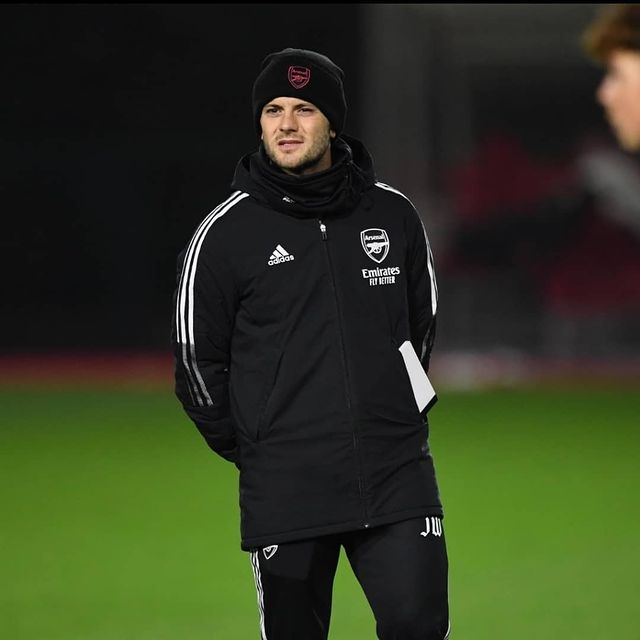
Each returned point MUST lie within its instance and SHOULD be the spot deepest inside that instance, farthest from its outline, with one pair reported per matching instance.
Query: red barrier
(113, 370)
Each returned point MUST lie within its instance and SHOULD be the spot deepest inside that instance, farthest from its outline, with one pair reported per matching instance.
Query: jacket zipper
(323, 231)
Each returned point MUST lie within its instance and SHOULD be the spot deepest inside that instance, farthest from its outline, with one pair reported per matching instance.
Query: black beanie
(299, 73)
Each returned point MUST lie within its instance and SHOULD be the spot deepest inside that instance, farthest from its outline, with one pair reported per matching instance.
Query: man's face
(296, 136)
(619, 94)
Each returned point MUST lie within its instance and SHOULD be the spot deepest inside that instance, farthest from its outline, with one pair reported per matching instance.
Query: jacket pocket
(261, 427)
(423, 391)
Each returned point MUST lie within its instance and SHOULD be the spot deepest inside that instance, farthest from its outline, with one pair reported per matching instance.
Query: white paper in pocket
(423, 392)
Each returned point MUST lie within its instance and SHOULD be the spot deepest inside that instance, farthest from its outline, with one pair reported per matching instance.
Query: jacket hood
(331, 192)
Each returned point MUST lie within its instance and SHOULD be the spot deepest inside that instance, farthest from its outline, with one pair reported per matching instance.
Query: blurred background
(121, 127)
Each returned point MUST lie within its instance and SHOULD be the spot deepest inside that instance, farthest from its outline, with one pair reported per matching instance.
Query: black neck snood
(336, 190)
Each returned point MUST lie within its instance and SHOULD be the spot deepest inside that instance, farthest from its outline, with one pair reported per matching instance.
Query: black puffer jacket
(305, 315)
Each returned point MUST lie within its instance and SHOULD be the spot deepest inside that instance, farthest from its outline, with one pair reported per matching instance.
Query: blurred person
(304, 321)
(613, 39)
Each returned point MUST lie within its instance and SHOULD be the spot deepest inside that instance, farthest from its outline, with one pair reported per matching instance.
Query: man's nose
(288, 121)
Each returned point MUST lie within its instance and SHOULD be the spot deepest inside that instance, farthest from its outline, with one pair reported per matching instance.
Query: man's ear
(332, 133)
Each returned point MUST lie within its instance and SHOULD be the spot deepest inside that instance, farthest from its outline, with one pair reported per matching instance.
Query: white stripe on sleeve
(430, 263)
(185, 302)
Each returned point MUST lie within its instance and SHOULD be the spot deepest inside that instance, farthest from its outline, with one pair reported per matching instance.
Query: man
(303, 302)
(613, 39)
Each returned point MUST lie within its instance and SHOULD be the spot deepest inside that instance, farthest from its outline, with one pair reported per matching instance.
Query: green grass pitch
(118, 523)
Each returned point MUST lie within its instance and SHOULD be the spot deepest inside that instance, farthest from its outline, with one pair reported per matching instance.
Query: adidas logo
(279, 255)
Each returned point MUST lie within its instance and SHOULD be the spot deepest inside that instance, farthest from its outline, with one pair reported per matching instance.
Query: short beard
(311, 160)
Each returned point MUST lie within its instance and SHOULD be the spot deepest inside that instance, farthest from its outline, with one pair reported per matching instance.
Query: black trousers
(402, 568)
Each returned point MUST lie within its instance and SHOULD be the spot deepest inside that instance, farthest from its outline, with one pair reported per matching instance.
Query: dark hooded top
(304, 319)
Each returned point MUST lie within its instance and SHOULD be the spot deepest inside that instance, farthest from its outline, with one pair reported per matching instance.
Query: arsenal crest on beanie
(299, 73)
